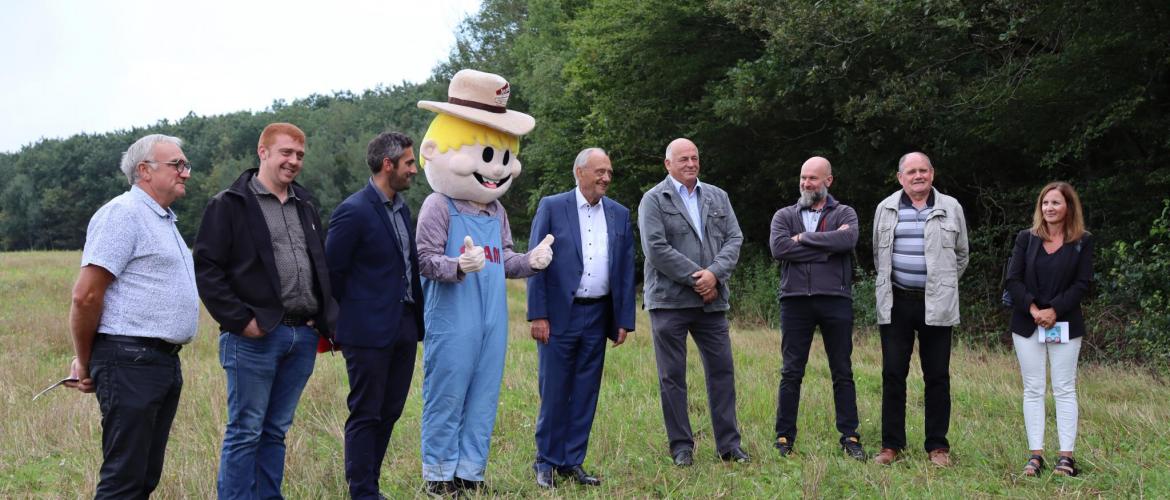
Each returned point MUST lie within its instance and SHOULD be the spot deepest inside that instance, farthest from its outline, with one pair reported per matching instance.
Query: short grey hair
(902, 160)
(141, 151)
(582, 159)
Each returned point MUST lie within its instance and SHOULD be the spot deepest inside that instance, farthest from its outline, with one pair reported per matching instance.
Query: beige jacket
(946, 257)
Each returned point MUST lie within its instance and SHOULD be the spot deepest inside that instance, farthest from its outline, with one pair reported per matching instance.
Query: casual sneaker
(853, 448)
(784, 445)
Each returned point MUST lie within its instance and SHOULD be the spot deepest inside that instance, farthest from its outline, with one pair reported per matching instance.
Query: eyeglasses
(179, 165)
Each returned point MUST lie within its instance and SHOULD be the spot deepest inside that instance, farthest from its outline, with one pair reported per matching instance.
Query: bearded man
(813, 240)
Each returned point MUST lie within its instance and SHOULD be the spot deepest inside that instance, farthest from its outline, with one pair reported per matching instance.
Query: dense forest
(1003, 95)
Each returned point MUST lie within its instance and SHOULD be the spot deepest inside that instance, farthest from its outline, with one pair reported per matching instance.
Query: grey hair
(392, 145)
(902, 160)
(141, 151)
(582, 159)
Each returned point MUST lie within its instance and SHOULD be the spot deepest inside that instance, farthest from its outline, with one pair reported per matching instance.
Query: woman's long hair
(1074, 218)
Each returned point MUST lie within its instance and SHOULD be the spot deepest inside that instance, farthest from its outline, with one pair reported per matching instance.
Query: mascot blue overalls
(465, 253)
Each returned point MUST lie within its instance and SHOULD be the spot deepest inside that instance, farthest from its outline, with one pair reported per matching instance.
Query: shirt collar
(137, 192)
(681, 189)
(259, 188)
(907, 202)
(581, 201)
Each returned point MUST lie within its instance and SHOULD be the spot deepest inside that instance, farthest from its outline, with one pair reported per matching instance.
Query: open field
(51, 448)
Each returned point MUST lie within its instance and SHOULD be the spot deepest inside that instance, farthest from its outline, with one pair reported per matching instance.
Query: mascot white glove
(471, 260)
(542, 255)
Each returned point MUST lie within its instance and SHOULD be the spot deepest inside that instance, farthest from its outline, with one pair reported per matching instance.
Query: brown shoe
(886, 456)
(940, 457)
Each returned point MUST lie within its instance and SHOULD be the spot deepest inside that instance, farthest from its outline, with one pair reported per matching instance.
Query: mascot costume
(465, 253)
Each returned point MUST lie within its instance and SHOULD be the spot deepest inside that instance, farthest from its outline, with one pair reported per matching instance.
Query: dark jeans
(934, 353)
(799, 318)
(711, 333)
(138, 391)
(379, 380)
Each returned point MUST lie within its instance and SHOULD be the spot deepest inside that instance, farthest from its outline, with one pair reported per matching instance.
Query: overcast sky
(72, 66)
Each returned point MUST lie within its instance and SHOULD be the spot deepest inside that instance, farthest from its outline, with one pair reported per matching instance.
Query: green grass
(51, 448)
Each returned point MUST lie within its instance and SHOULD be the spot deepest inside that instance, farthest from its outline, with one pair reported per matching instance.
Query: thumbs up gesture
(541, 256)
(471, 260)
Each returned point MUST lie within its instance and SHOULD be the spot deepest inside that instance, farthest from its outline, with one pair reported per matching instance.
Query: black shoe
(683, 457)
(784, 445)
(442, 488)
(578, 474)
(468, 485)
(544, 479)
(736, 455)
(853, 448)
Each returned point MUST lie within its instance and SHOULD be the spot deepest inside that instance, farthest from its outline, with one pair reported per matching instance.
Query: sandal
(1034, 466)
(1065, 466)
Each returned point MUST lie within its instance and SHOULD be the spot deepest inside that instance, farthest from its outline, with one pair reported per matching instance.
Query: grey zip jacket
(822, 262)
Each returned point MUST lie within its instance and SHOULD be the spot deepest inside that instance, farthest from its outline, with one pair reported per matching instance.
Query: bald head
(916, 158)
(682, 161)
(816, 175)
(916, 175)
(818, 163)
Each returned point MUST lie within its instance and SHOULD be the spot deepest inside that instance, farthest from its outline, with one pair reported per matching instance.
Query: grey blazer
(673, 249)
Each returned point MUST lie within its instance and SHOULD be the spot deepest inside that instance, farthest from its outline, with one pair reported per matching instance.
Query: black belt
(151, 342)
(589, 300)
(911, 294)
(294, 320)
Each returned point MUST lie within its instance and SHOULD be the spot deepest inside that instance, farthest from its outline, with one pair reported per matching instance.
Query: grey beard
(810, 198)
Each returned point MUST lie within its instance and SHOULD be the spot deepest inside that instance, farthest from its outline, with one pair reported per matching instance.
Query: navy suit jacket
(367, 272)
(550, 293)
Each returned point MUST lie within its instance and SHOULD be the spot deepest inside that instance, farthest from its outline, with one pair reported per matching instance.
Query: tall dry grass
(51, 447)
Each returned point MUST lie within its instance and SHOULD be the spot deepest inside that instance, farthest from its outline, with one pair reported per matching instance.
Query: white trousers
(1033, 357)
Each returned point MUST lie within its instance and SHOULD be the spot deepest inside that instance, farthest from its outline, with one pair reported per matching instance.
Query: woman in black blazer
(1049, 272)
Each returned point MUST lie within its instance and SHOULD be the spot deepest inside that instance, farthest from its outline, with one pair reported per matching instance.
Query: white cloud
(81, 66)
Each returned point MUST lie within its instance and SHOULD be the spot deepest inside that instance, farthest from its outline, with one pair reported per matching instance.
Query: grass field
(51, 448)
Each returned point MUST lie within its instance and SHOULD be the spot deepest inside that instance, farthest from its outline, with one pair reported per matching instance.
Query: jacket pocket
(949, 233)
(674, 222)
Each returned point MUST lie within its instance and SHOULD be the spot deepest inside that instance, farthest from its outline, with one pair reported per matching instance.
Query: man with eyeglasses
(260, 264)
(134, 307)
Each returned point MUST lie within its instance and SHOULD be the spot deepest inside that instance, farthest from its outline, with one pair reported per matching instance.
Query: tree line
(1003, 95)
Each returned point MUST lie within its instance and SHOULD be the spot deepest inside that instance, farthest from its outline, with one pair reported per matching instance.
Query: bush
(1131, 317)
(754, 289)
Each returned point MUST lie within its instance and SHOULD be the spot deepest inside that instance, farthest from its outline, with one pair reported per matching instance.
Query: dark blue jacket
(550, 293)
(367, 272)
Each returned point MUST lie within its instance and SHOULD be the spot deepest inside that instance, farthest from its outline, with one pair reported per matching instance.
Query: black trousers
(379, 379)
(711, 332)
(138, 391)
(908, 317)
(799, 318)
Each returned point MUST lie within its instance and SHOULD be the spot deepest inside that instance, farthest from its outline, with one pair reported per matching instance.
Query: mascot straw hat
(482, 98)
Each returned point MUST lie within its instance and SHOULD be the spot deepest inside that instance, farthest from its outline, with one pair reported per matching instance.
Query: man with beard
(373, 267)
(813, 240)
(260, 267)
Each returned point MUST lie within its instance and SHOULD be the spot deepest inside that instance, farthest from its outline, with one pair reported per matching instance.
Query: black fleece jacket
(234, 266)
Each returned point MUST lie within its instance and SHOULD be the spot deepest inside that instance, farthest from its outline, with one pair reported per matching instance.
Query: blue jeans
(265, 377)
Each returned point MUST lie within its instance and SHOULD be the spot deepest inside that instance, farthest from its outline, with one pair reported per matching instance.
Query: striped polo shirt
(909, 256)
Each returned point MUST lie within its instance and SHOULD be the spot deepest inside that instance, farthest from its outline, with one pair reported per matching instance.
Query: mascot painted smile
(465, 253)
